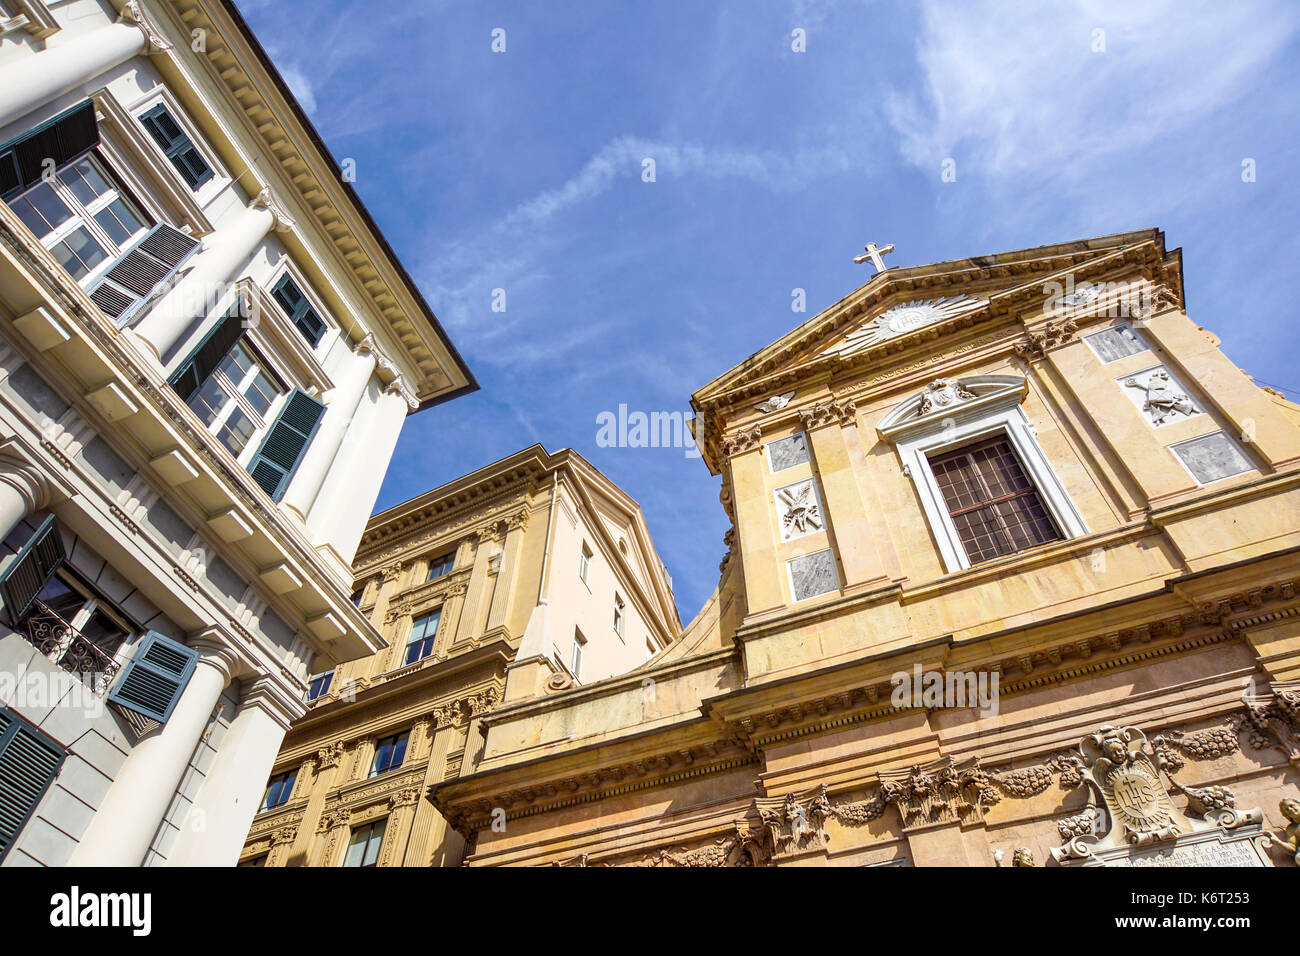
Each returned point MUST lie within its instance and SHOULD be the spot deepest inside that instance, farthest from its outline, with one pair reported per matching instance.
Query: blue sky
(522, 171)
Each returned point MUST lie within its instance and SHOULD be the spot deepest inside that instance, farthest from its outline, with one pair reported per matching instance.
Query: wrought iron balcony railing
(67, 647)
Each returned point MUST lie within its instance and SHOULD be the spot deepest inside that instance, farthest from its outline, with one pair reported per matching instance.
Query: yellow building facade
(1011, 581)
(525, 578)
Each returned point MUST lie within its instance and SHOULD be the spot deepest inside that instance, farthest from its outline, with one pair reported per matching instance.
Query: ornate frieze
(1042, 340)
(826, 413)
(1160, 397)
(901, 319)
(799, 510)
(742, 441)
(774, 403)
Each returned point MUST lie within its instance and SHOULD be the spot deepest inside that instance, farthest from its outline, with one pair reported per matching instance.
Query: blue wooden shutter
(299, 310)
(207, 355)
(63, 138)
(30, 570)
(135, 275)
(285, 443)
(155, 677)
(178, 147)
(29, 762)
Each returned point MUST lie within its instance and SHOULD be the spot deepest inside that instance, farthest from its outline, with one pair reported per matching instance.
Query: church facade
(1011, 580)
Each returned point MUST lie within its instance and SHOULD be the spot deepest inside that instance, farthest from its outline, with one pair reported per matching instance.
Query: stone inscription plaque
(1234, 853)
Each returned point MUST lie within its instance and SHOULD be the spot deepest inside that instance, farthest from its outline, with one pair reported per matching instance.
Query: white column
(223, 255)
(22, 491)
(340, 408)
(339, 516)
(127, 819)
(30, 81)
(232, 789)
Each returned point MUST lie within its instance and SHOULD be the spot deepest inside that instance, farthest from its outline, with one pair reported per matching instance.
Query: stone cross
(874, 253)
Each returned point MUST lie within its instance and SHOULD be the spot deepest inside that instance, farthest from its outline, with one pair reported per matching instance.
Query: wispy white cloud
(463, 269)
(1050, 90)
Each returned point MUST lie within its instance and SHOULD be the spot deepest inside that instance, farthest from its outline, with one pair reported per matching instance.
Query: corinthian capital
(133, 15)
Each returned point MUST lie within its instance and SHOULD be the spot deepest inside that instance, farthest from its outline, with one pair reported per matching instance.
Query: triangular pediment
(902, 308)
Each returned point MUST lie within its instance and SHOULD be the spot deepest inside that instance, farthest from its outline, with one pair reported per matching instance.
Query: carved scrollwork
(742, 441)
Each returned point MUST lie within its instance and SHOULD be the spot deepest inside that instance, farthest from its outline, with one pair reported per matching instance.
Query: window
(61, 615)
(29, 762)
(233, 400)
(584, 561)
(357, 595)
(278, 790)
(254, 860)
(981, 477)
(618, 614)
(440, 566)
(178, 147)
(419, 644)
(389, 753)
(298, 309)
(363, 848)
(319, 685)
(994, 506)
(82, 216)
(575, 662)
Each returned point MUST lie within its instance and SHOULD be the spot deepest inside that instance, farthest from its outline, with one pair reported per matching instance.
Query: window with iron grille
(994, 505)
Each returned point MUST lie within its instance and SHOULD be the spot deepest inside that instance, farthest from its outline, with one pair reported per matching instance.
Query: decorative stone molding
(1272, 720)
(398, 386)
(284, 835)
(27, 480)
(941, 393)
(826, 413)
(465, 709)
(407, 797)
(133, 14)
(517, 520)
(283, 222)
(742, 441)
(901, 319)
(330, 756)
(1124, 776)
(774, 403)
(1023, 857)
(1289, 839)
(1163, 398)
(1042, 340)
(392, 572)
(795, 823)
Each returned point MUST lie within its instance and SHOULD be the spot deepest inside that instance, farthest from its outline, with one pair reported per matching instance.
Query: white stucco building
(207, 351)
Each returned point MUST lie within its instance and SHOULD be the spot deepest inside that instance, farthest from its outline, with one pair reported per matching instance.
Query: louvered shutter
(168, 134)
(30, 570)
(207, 355)
(285, 444)
(299, 310)
(62, 139)
(154, 679)
(29, 762)
(131, 279)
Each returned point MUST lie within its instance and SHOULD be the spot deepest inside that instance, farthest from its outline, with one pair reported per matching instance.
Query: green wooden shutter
(131, 279)
(30, 570)
(154, 679)
(63, 138)
(299, 310)
(286, 443)
(178, 147)
(207, 355)
(29, 762)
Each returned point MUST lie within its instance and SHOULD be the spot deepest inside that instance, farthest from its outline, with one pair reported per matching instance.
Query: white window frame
(286, 267)
(619, 614)
(994, 411)
(235, 398)
(220, 177)
(575, 657)
(84, 216)
(584, 562)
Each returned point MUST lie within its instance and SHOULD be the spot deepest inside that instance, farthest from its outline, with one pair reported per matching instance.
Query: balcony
(64, 645)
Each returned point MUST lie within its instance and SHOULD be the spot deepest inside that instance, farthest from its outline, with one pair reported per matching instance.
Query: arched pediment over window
(946, 400)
